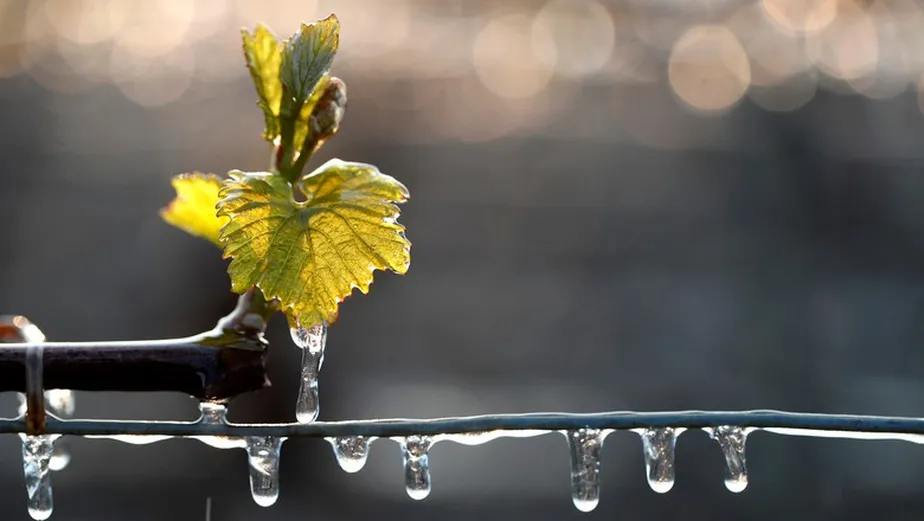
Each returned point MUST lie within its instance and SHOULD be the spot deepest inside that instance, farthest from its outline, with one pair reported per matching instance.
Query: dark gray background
(767, 261)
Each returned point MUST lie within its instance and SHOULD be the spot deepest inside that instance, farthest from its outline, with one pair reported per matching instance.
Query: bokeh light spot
(152, 82)
(708, 68)
(583, 33)
(800, 16)
(513, 57)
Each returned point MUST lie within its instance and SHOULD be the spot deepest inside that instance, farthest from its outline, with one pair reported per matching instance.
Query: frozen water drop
(263, 456)
(585, 447)
(658, 447)
(416, 465)
(60, 457)
(351, 451)
(36, 459)
(212, 413)
(59, 402)
(732, 441)
(311, 340)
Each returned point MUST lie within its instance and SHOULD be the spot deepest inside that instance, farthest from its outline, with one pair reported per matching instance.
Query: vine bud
(327, 114)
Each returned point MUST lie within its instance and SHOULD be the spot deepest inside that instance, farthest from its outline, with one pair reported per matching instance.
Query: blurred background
(626, 204)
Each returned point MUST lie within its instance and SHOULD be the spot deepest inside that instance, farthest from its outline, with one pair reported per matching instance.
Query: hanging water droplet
(585, 446)
(36, 458)
(351, 451)
(263, 456)
(311, 340)
(732, 441)
(416, 465)
(658, 447)
(60, 457)
(59, 402)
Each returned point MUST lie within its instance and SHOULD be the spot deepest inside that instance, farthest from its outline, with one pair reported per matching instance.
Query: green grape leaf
(307, 57)
(311, 254)
(264, 56)
(194, 208)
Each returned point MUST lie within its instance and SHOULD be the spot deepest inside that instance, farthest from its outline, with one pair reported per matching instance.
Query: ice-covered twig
(807, 424)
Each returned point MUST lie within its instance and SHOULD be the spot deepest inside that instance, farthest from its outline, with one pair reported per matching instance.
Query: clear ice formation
(658, 446)
(37, 453)
(482, 437)
(732, 440)
(213, 413)
(311, 340)
(351, 451)
(585, 447)
(416, 465)
(263, 455)
(59, 402)
(217, 414)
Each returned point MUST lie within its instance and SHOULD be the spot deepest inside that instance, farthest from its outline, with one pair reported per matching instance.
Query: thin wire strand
(810, 424)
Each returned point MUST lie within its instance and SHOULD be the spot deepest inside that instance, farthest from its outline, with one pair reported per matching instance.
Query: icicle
(351, 451)
(732, 441)
(416, 465)
(37, 452)
(311, 340)
(263, 456)
(59, 402)
(585, 447)
(658, 447)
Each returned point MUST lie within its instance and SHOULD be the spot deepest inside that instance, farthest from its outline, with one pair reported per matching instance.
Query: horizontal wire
(809, 424)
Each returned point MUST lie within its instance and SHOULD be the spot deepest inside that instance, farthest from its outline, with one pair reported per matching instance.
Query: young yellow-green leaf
(302, 122)
(264, 56)
(307, 57)
(194, 208)
(311, 254)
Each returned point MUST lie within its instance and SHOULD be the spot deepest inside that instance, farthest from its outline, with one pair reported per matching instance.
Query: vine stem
(216, 365)
(810, 424)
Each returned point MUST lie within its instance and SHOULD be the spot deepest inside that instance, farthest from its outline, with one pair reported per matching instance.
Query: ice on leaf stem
(303, 240)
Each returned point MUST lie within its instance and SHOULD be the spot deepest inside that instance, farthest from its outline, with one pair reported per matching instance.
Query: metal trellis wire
(810, 424)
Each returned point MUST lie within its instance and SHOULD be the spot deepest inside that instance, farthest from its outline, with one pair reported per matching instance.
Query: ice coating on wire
(351, 440)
